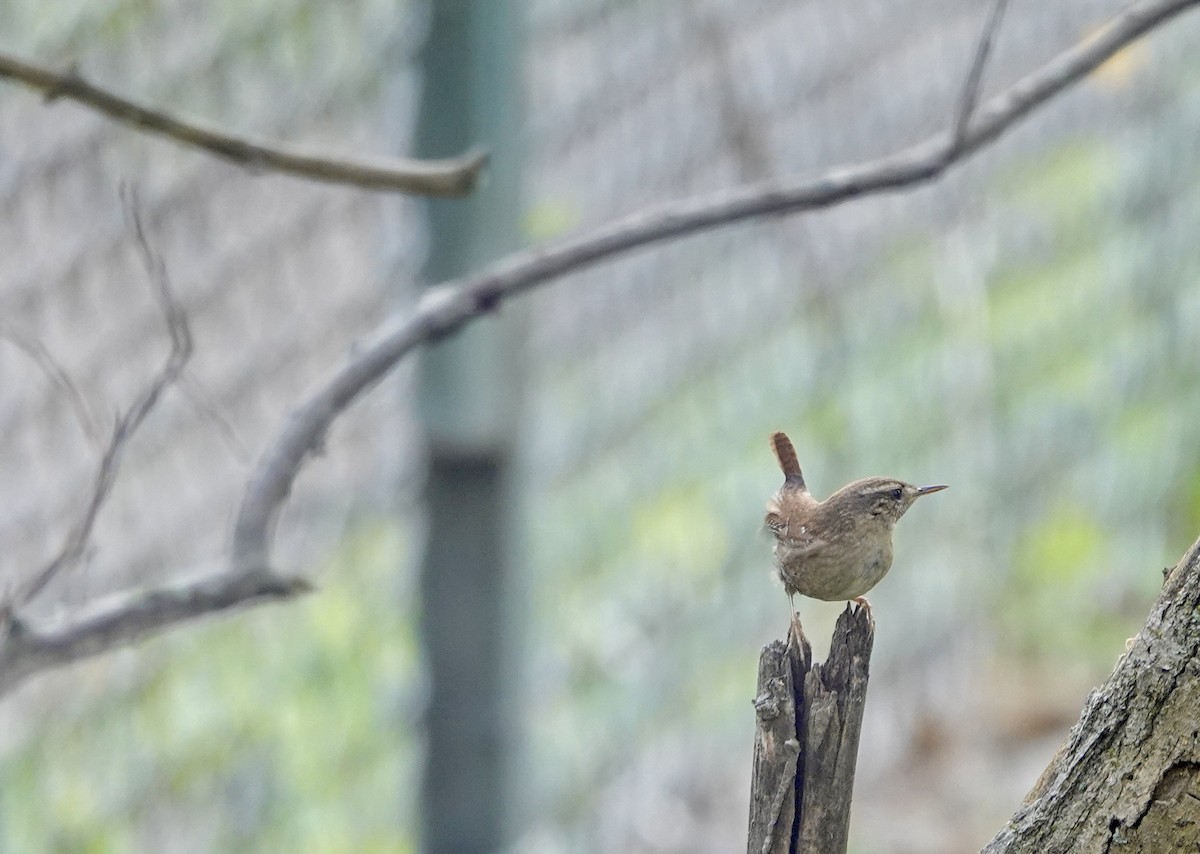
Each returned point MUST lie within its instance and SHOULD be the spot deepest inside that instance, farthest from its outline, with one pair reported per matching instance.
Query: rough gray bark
(1127, 779)
(809, 717)
(776, 750)
(835, 694)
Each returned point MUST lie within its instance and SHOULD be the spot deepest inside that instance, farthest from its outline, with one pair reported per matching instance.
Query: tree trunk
(1127, 779)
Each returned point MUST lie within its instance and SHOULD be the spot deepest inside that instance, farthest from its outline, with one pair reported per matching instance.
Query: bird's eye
(897, 494)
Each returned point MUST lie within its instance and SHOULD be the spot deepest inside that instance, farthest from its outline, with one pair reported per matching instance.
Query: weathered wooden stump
(809, 717)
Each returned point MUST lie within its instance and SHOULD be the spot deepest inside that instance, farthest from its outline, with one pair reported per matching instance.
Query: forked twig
(971, 88)
(128, 422)
(28, 647)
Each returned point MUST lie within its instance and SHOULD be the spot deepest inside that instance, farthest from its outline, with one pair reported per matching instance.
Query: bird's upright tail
(788, 462)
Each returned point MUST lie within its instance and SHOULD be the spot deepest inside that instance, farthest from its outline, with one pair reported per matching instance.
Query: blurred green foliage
(1081, 352)
(1046, 608)
(1065, 185)
(283, 729)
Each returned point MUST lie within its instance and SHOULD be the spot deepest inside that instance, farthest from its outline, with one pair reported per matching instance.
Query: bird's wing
(796, 538)
(775, 523)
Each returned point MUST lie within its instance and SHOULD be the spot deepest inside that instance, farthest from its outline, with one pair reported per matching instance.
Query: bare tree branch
(26, 649)
(445, 309)
(451, 177)
(970, 93)
(57, 375)
(125, 619)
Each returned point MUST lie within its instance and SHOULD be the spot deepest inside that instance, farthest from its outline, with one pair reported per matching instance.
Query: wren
(838, 548)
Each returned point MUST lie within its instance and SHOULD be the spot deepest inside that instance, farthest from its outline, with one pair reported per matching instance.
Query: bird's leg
(795, 630)
(862, 602)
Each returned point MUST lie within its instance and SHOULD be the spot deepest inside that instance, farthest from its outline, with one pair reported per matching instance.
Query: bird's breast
(835, 570)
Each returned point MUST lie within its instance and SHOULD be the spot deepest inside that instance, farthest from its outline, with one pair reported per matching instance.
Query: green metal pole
(468, 389)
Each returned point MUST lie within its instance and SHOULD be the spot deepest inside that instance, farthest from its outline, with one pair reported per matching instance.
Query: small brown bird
(841, 547)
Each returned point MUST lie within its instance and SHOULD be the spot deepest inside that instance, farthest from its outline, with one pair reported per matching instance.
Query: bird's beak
(926, 490)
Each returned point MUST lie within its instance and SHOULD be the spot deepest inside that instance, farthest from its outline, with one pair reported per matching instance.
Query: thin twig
(450, 177)
(445, 309)
(971, 88)
(57, 375)
(127, 423)
(203, 402)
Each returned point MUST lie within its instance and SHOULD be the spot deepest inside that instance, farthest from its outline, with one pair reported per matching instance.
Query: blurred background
(542, 583)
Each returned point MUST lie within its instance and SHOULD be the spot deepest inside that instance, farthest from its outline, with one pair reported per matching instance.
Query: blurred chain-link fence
(1024, 330)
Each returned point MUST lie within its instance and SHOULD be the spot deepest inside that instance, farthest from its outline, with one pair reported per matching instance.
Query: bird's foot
(862, 602)
(795, 631)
